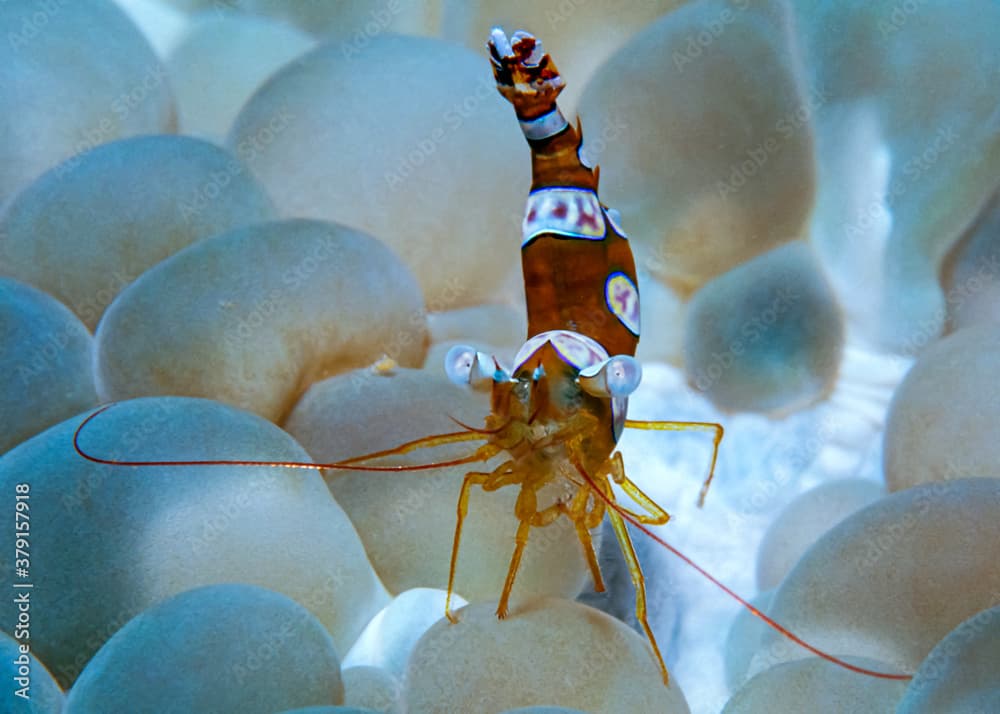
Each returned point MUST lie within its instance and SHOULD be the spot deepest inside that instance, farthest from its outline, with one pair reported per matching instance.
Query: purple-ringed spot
(576, 350)
(622, 298)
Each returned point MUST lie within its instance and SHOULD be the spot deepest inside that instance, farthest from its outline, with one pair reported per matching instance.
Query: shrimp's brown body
(559, 412)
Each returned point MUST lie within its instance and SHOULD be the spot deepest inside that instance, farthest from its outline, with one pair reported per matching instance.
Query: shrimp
(559, 412)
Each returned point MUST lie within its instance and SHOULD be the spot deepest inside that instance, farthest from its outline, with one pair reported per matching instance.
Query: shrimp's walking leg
(625, 541)
(502, 475)
(526, 510)
(472, 478)
(657, 516)
(582, 522)
(521, 540)
(577, 512)
(716, 429)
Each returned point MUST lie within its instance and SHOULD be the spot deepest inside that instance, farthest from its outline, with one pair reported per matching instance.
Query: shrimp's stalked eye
(467, 367)
(616, 376)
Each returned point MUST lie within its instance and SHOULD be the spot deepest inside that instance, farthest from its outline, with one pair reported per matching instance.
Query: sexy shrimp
(560, 411)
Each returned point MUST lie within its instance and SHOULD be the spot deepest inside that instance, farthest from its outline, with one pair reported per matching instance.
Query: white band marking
(571, 212)
(544, 126)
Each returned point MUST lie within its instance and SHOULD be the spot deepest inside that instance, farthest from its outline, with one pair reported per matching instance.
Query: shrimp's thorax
(545, 437)
(550, 425)
(543, 454)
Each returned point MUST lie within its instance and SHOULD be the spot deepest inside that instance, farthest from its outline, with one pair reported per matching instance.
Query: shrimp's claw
(525, 74)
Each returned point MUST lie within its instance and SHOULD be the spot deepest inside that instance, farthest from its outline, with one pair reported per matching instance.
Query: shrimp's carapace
(579, 273)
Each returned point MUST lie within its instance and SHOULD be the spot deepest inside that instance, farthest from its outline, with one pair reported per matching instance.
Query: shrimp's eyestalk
(467, 367)
(615, 377)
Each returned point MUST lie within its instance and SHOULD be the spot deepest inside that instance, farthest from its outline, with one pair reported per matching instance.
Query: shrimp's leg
(471, 478)
(526, 510)
(502, 475)
(625, 541)
(707, 426)
(521, 540)
(657, 516)
(582, 520)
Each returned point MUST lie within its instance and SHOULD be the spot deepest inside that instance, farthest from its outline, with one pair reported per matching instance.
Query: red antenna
(481, 454)
(770, 622)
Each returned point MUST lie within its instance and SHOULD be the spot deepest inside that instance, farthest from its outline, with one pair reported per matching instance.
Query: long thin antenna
(610, 502)
(481, 454)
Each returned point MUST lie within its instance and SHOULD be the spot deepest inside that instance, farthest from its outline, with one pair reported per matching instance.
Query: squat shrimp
(559, 412)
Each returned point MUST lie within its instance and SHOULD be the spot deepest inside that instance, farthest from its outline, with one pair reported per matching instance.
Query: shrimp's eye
(458, 364)
(616, 376)
(467, 367)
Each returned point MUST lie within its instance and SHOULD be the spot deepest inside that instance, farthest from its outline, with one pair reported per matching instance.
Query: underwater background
(259, 227)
